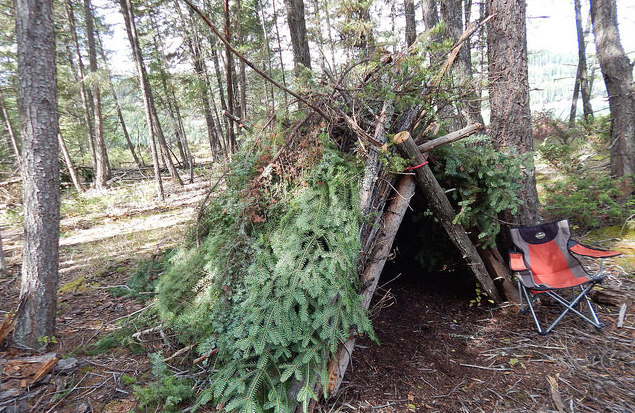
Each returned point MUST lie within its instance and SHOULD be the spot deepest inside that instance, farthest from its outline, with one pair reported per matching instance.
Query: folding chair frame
(530, 290)
(531, 297)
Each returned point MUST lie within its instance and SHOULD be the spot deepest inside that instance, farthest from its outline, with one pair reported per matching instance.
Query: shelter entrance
(423, 257)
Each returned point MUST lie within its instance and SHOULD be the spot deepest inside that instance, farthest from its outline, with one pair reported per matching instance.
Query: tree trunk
(469, 105)
(430, 13)
(618, 78)
(444, 212)
(102, 170)
(242, 76)
(193, 42)
(229, 76)
(284, 79)
(510, 119)
(126, 10)
(35, 320)
(165, 149)
(122, 122)
(583, 78)
(411, 23)
(84, 93)
(299, 40)
(69, 165)
(13, 141)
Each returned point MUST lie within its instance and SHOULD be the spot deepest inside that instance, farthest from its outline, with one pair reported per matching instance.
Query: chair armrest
(516, 261)
(580, 249)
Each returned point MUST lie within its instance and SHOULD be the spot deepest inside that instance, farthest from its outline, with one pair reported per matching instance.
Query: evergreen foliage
(580, 187)
(486, 183)
(273, 285)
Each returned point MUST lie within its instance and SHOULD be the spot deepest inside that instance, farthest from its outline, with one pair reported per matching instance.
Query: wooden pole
(444, 212)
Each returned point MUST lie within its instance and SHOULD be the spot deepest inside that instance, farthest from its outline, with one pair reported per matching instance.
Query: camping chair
(544, 264)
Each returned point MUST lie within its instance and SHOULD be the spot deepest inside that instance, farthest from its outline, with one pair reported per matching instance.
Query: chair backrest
(546, 253)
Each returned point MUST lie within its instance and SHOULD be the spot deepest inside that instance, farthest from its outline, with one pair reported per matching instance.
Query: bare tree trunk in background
(35, 320)
(284, 78)
(167, 87)
(229, 75)
(430, 13)
(126, 10)
(102, 171)
(13, 141)
(582, 77)
(510, 119)
(299, 40)
(69, 165)
(84, 93)
(618, 78)
(242, 77)
(193, 42)
(469, 106)
(122, 122)
(411, 23)
(269, 92)
(163, 144)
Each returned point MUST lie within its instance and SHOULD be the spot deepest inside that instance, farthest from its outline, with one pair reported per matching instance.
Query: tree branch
(252, 65)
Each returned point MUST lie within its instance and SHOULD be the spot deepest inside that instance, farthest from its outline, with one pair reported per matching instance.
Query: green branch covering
(275, 297)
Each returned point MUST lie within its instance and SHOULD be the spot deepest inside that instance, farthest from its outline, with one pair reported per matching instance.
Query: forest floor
(435, 352)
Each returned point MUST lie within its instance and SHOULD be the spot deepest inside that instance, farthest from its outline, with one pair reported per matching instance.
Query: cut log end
(401, 137)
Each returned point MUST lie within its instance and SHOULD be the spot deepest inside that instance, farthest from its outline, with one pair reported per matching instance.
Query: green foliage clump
(591, 201)
(167, 389)
(580, 187)
(143, 281)
(273, 285)
(486, 182)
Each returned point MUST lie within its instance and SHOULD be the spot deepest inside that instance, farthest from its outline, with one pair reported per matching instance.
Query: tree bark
(510, 119)
(444, 212)
(618, 78)
(13, 141)
(102, 170)
(35, 320)
(299, 40)
(126, 10)
(411, 23)
(69, 164)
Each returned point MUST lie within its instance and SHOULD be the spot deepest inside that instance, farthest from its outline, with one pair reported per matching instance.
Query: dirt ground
(435, 352)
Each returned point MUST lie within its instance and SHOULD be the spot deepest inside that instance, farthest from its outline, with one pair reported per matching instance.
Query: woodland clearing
(435, 351)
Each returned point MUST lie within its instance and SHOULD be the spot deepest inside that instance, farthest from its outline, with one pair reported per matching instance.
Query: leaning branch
(252, 65)
(472, 27)
(450, 137)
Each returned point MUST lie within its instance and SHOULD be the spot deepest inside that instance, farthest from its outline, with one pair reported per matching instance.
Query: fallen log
(444, 212)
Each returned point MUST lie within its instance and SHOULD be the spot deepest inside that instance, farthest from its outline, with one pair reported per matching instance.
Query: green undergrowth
(577, 183)
(272, 287)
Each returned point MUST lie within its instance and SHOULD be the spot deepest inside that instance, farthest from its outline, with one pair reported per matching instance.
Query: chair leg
(524, 291)
(569, 306)
(596, 320)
